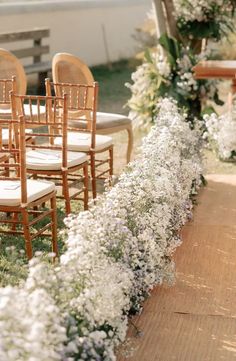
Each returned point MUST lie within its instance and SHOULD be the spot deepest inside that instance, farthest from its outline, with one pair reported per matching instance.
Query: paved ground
(196, 319)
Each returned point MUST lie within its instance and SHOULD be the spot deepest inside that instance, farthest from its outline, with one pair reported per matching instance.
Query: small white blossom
(221, 132)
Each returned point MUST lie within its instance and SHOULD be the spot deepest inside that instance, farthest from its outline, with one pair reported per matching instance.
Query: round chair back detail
(67, 68)
(11, 66)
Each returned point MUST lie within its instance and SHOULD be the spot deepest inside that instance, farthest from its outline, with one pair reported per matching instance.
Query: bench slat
(24, 35)
(36, 35)
(38, 67)
(27, 52)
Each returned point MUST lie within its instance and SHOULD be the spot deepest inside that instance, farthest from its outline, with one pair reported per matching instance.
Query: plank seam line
(205, 315)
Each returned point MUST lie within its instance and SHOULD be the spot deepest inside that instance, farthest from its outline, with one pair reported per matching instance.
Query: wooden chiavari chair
(82, 137)
(21, 196)
(67, 68)
(6, 87)
(50, 159)
(12, 68)
(13, 72)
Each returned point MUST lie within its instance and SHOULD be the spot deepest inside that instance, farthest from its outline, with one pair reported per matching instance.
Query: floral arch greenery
(167, 68)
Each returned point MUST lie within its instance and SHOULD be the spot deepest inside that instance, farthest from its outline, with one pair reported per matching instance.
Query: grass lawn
(113, 95)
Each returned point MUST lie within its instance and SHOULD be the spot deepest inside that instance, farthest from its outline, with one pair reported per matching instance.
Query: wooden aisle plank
(196, 319)
(200, 277)
(185, 337)
(217, 202)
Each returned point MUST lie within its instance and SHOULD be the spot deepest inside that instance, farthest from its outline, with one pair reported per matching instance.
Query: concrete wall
(94, 30)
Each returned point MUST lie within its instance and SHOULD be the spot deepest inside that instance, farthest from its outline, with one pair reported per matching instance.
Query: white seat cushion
(104, 121)
(5, 135)
(49, 159)
(81, 142)
(10, 191)
(110, 120)
(5, 112)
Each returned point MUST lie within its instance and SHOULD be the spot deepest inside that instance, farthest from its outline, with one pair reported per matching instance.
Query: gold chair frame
(16, 163)
(82, 110)
(54, 118)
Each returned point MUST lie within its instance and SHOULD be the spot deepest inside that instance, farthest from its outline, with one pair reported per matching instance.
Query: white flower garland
(156, 72)
(221, 133)
(116, 253)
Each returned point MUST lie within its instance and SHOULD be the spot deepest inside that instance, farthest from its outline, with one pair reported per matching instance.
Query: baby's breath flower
(116, 253)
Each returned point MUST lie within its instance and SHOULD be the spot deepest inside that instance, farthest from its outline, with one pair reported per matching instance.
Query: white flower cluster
(191, 10)
(146, 82)
(30, 327)
(161, 62)
(116, 253)
(221, 132)
(187, 83)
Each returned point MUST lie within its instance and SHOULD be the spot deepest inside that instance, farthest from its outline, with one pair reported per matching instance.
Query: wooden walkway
(196, 319)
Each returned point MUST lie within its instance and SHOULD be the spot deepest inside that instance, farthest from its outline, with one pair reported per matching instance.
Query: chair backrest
(67, 68)
(46, 117)
(6, 86)
(12, 155)
(81, 105)
(10, 66)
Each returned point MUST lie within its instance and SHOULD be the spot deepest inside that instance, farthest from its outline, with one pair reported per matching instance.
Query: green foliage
(207, 19)
(200, 29)
(13, 268)
(172, 48)
(214, 20)
(168, 72)
(113, 94)
(207, 110)
(217, 100)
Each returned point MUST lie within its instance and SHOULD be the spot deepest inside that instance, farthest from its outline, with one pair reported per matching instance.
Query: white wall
(76, 25)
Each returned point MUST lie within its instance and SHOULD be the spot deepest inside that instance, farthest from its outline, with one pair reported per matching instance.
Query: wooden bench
(35, 51)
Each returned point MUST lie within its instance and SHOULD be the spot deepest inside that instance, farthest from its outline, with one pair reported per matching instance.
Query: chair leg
(7, 170)
(93, 175)
(65, 191)
(85, 171)
(130, 143)
(54, 224)
(33, 143)
(111, 161)
(14, 218)
(35, 208)
(28, 244)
